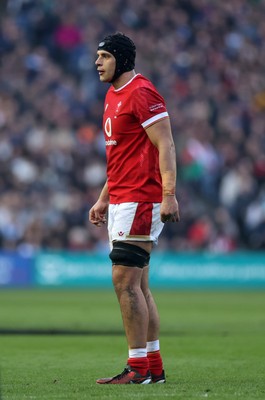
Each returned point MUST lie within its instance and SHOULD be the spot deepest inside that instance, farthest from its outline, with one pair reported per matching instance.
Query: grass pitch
(213, 345)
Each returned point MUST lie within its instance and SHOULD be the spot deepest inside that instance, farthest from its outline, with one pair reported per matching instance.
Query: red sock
(139, 364)
(155, 362)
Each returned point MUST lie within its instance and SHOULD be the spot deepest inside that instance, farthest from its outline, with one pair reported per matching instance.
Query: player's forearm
(161, 137)
(104, 195)
(168, 169)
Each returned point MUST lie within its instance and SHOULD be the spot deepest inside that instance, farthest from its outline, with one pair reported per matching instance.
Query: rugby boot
(129, 375)
(159, 378)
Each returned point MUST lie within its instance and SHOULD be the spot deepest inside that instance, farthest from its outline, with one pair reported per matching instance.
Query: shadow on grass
(74, 332)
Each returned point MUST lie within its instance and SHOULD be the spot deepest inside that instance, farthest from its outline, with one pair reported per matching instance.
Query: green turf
(213, 346)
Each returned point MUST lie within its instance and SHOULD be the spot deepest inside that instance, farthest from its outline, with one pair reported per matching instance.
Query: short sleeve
(148, 106)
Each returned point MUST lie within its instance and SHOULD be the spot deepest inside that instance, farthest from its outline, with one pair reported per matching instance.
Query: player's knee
(129, 255)
(123, 287)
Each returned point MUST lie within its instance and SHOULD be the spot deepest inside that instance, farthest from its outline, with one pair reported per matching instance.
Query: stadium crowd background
(207, 58)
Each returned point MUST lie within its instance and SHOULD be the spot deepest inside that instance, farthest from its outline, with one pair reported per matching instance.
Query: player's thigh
(126, 278)
(145, 280)
(147, 246)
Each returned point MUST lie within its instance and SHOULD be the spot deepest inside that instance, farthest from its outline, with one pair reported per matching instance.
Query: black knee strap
(129, 255)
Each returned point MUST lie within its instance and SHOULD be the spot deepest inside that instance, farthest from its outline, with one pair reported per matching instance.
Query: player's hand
(97, 214)
(169, 210)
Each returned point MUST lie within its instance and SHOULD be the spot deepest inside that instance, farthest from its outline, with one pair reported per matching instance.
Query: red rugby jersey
(132, 160)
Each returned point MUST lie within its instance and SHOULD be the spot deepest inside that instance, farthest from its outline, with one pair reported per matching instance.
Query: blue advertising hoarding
(208, 270)
(16, 270)
(168, 270)
(72, 269)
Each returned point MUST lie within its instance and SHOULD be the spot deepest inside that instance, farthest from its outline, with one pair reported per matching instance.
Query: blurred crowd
(207, 58)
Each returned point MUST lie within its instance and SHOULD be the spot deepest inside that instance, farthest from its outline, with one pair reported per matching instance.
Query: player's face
(106, 65)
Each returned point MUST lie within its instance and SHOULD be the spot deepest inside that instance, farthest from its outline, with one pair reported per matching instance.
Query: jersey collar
(126, 84)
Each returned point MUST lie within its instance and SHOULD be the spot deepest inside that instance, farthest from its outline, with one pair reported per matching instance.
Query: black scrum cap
(124, 51)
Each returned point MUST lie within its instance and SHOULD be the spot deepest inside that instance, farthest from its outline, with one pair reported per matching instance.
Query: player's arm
(97, 214)
(161, 136)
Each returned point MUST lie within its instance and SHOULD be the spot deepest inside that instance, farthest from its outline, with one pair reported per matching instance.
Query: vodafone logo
(108, 131)
(107, 127)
